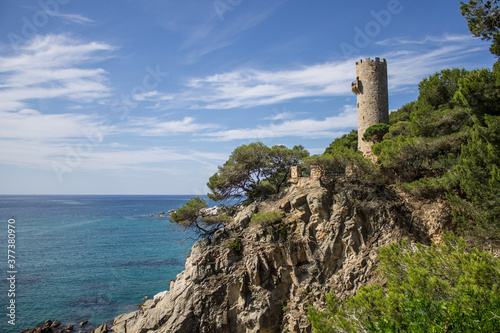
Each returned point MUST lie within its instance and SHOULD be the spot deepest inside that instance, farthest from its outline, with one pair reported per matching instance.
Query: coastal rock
(211, 211)
(101, 329)
(327, 241)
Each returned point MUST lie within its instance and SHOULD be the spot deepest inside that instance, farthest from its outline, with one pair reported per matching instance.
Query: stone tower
(370, 88)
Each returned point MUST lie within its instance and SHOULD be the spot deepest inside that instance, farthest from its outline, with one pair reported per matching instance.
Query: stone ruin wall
(317, 173)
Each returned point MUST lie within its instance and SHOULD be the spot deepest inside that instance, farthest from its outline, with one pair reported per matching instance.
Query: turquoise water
(87, 257)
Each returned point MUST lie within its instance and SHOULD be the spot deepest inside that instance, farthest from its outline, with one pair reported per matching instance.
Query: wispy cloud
(409, 62)
(52, 67)
(329, 127)
(40, 155)
(412, 60)
(28, 124)
(398, 41)
(121, 159)
(72, 18)
(285, 114)
(148, 126)
(212, 34)
(246, 88)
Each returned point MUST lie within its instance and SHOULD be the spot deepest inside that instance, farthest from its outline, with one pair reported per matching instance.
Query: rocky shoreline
(56, 326)
(328, 240)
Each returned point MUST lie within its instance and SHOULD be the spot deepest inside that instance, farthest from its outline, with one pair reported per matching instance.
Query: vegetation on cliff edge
(446, 287)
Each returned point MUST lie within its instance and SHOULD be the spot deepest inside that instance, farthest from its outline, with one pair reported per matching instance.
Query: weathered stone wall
(317, 171)
(371, 90)
(295, 172)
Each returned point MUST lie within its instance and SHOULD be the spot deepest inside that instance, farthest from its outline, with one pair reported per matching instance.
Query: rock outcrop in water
(328, 241)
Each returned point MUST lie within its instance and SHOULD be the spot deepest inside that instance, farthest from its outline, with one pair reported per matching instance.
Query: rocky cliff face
(327, 241)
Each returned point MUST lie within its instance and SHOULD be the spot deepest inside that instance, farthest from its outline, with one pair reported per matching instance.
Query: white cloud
(144, 158)
(30, 124)
(145, 126)
(72, 18)
(329, 127)
(398, 41)
(414, 60)
(52, 66)
(250, 87)
(70, 156)
(409, 61)
(283, 115)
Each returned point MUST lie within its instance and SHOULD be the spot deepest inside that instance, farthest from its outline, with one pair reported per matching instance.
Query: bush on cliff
(190, 216)
(343, 154)
(266, 218)
(446, 287)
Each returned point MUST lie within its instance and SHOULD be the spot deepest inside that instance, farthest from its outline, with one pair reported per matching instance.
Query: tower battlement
(370, 88)
(369, 61)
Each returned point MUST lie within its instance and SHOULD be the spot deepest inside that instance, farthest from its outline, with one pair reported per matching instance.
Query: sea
(85, 257)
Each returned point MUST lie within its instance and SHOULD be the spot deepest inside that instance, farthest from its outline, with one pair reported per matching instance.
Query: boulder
(101, 329)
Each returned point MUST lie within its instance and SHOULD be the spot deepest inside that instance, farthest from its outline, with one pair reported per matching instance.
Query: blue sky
(149, 97)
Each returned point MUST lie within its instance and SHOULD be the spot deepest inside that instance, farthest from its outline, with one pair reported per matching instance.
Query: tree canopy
(483, 19)
(254, 171)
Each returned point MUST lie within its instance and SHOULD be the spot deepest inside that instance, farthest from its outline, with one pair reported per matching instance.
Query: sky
(151, 96)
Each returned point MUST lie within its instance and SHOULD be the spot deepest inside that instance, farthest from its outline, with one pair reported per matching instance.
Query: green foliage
(254, 171)
(428, 122)
(437, 90)
(479, 92)
(402, 114)
(376, 132)
(483, 19)
(446, 287)
(267, 218)
(349, 140)
(476, 204)
(448, 142)
(426, 187)
(400, 128)
(336, 163)
(236, 246)
(280, 160)
(413, 155)
(341, 154)
(189, 216)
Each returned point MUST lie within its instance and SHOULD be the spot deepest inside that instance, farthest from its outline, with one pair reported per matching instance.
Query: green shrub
(426, 187)
(236, 246)
(266, 218)
(376, 132)
(446, 287)
(336, 163)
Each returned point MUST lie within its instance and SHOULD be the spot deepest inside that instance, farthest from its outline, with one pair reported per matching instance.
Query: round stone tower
(370, 87)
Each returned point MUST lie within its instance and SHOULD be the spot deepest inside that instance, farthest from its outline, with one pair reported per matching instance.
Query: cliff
(327, 241)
